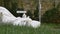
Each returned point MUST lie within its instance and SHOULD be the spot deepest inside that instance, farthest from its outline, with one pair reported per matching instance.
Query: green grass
(43, 29)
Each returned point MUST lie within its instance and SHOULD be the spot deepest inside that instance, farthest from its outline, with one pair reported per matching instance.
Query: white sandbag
(20, 22)
(28, 19)
(24, 15)
(5, 12)
(34, 24)
(6, 15)
(7, 19)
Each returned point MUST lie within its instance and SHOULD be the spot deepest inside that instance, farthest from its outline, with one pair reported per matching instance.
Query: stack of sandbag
(8, 18)
(32, 23)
